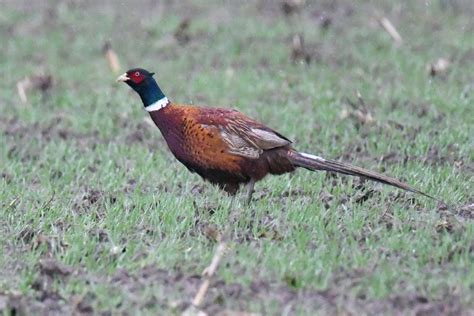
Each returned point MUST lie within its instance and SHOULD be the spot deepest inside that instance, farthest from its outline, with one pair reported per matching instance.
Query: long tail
(314, 163)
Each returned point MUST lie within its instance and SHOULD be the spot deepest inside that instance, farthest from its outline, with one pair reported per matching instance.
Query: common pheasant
(228, 148)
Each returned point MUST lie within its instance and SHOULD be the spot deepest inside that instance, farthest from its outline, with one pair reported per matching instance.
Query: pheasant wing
(246, 137)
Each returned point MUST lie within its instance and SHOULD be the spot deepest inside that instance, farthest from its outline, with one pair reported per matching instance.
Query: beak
(123, 78)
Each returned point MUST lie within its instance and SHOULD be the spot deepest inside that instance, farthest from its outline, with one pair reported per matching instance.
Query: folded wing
(248, 138)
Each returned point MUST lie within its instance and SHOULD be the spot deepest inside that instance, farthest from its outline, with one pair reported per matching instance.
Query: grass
(97, 216)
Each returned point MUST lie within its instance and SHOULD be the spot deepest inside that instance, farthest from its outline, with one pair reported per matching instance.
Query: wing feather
(250, 139)
(244, 136)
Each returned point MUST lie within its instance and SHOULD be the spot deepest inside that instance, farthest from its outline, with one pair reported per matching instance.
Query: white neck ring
(158, 105)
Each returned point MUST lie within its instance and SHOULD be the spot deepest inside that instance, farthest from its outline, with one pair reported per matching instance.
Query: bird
(228, 148)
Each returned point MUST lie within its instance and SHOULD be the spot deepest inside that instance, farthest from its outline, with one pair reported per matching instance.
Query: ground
(97, 217)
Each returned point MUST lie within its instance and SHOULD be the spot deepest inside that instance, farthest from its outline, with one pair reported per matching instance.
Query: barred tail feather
(314, 163)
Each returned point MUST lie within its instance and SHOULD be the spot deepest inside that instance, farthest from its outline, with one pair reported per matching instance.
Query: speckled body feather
(197, 138)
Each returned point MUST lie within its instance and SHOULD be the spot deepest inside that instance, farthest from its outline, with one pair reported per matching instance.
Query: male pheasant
(228, 148)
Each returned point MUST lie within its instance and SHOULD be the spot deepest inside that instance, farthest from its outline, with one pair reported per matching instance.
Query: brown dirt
(19, 134)
(223, 296)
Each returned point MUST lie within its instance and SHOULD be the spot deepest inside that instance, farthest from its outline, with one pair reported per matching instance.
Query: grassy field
(97, 217)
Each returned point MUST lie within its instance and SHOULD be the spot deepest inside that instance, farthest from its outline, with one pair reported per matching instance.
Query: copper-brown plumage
(228, 148)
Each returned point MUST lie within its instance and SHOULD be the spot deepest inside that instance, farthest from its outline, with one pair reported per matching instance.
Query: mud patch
(222, 295)
(45, 300)
(20, 135)
(93, 201)
(285, 294)
(466, 211)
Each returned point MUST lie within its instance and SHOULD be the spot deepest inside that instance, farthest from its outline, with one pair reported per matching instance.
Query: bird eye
(137, 74)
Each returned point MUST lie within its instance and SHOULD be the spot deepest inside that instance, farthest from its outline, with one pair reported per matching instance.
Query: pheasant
(229, 149)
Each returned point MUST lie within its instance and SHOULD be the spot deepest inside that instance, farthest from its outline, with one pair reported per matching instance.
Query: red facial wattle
(136, 77)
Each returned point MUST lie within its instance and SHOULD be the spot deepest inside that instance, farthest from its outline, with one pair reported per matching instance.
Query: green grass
(85, 181)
